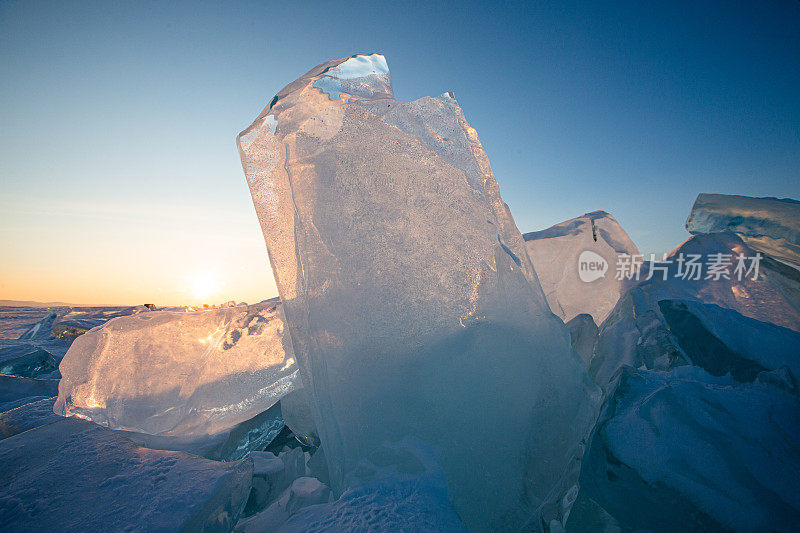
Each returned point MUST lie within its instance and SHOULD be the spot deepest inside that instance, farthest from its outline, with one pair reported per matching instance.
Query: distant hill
(25, 303)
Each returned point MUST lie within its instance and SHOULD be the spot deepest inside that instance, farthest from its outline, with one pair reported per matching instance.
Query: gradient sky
(119, 176)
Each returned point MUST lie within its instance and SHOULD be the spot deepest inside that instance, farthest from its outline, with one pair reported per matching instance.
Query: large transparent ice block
(413, 307)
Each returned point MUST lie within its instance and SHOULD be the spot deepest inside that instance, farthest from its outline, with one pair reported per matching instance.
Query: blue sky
(121, 181)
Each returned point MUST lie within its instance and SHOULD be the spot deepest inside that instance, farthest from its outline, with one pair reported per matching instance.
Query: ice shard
(673, 317)
(769, 225)
(28, 416)
(413, 307)
(41, 330)
(179, 374)
(575, 261)
(583, 333)
(19, 358)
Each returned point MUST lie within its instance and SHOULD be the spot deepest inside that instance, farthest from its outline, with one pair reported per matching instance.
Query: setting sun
(204, 285)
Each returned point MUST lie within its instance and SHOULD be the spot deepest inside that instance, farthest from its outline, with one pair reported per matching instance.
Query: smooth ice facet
(583, 334)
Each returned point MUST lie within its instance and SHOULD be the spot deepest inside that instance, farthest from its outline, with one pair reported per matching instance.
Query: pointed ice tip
(360, 66)
(594, 215)
(363, 76)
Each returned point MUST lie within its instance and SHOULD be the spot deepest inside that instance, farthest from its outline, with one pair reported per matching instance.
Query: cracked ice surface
(412, 304)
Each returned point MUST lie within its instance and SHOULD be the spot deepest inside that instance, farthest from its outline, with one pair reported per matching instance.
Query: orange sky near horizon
(127, 253)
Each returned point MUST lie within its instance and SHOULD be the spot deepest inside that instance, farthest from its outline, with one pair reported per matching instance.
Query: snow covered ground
(72, 475)
(686, 451)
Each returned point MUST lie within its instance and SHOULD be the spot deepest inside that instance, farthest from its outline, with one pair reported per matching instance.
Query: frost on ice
(557, 254)
(413, 307)
(172, 373)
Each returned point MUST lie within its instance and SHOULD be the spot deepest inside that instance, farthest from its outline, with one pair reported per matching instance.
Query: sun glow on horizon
(204, 286)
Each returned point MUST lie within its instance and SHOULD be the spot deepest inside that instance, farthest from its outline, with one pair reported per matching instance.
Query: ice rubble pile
(756, 319)
(559, 251)
(37, 352)
(701, 424)
(441, 387)
(179, 374)
(391, 499)
(272, 474)
(29, 359)
(34, 353)
(43, 329)
(70, 474)
(700, 427)
(28, 369)
(413, 307)
(17, 321)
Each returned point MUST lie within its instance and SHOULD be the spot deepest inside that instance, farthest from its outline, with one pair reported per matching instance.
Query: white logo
(591, 266)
